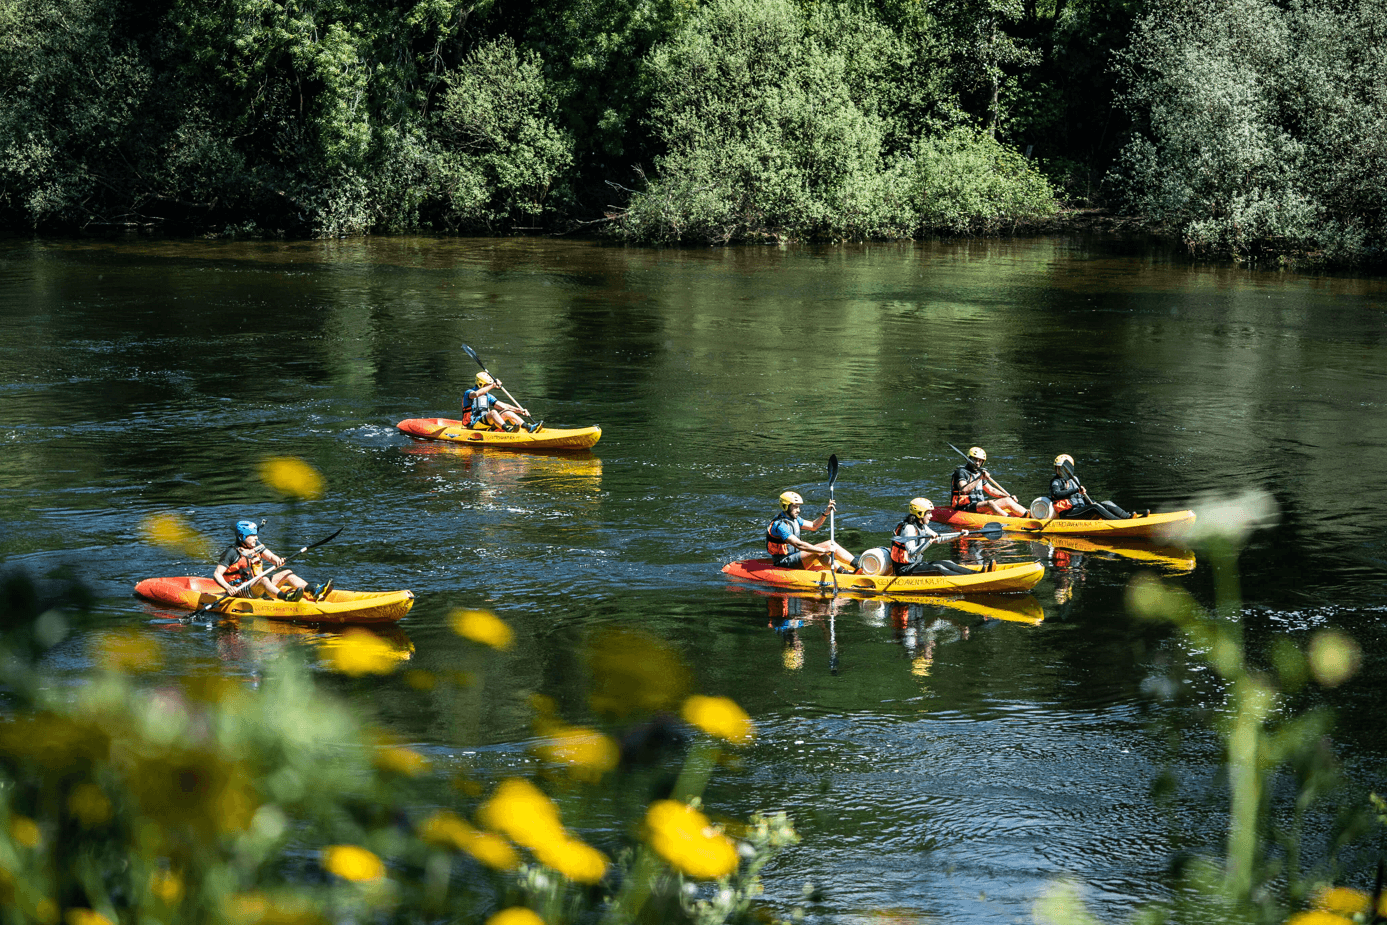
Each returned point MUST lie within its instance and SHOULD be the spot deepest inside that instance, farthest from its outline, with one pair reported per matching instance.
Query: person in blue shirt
(789, 550)
(481, 406)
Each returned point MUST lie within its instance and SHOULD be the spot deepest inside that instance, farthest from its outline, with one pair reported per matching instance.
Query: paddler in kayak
(246, 558)
(480, 407)
(974, 489)
(789, 550)
(912, 537)
(1071, 501)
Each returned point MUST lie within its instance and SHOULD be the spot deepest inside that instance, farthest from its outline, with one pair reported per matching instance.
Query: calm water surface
(942, 763)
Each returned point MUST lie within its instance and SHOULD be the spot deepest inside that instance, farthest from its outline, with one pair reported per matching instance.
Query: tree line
(1246, 128)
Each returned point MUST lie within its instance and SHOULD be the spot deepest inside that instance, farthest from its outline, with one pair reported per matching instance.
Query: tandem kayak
(1166, 526)
(190, 593)
(1011, 576)
(547, 438)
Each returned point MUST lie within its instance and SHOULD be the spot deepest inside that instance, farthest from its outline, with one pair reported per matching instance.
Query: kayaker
(974, 490)
(789, 550)
(1071, 500)
(246, 558)
(486, 408)
(912, 537)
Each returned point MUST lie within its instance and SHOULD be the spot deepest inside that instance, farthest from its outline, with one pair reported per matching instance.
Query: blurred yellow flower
(447, 830)
(1342, 900)
(291, 476)
(421, 680)
(85, 917)
(257, 908)
(587, 753)
(521, 811)
(685, 838)
(1318, 917)
(172, 532)
(89, 805)
(483, 627)
(399, 760)
(25, 831)
(577, 861)
(46, 911)
(720, 717)
(128, 651)
(166, 886)
(515, 915)
(1334, 657)
(359, 652)
(353, 863)
(633, 673)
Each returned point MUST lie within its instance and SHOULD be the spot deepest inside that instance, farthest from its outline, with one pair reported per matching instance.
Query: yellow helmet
(977, 453)
(483, 379)
(788, 498)
(1063, 458)
(921, 507)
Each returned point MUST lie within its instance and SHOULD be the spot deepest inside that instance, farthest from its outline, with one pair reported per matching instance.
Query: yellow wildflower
(1343, 901)
(519, 810)
(577, 861)
(359, 652)
(404, 761)
(720, 717)
(25, 831)
(291, 476)
(586, 752)
(172, 532)
(1334, 657)
(483, 627)
(447, 830)
(46, 911)
(166, 886)
(633, 673)
(353, 863)
(128, 650)
(515, 915)
(89, 805)
(1318, 917)
(85, 917)
(685, 838)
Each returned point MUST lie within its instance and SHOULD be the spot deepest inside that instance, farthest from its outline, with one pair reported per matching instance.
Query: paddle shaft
(205, 608)
(832, 541)
(473, 354)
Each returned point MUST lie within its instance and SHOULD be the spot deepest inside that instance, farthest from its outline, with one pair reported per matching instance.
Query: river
(940, 763)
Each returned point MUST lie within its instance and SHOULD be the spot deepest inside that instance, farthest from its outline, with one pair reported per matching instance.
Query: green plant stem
(693, 779)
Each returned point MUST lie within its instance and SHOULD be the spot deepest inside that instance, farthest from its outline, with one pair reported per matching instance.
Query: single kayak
(1010, 576)
(189, 593)
(546, 438)
(1166, 526)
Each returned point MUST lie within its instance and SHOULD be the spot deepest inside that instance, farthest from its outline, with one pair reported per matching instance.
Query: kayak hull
(1011, 576)
(342, 607)
(1166, 526)
(550, 438)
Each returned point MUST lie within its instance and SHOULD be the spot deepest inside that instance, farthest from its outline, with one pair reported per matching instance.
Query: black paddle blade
(992, 530)
(327, 539)
(832, 470)
(1068, 470)
(473, 354)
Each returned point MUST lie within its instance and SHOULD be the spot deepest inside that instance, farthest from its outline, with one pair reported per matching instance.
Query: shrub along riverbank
(1246, 129)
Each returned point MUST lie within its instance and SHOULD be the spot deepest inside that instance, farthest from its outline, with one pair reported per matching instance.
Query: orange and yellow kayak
(189, 593)
(547, 438)
(1010, 576)
(1168, 526)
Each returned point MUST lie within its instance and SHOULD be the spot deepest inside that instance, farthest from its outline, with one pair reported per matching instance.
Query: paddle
(987, 475)
(832, 542)
(244, 585)
(473, 354)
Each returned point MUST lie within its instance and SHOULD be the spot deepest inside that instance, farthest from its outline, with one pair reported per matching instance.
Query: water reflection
(556, 471)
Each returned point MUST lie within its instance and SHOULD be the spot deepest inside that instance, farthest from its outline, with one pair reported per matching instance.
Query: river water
(942, 763)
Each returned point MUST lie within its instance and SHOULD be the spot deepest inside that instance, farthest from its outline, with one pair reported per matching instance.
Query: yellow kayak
(546, 438)
(1011, 576)
(189, 593)
(1170, 525)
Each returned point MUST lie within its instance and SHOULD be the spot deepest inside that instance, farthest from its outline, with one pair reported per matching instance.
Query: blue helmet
(245, 528)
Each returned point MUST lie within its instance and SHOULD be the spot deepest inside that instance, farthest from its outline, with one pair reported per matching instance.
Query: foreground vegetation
(1248, 128)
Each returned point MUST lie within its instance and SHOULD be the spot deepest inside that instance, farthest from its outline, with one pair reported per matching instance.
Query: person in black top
(974, 490)
(1071, 500)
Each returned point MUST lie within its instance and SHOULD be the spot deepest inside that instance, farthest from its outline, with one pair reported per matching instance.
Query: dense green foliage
(1248, 127)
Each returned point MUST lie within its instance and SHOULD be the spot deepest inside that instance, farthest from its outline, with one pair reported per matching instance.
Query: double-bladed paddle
(205, 608)
(832, 541)
(473, 354)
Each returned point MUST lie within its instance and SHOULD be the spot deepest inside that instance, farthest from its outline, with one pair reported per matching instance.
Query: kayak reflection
(256, 641)
(1176, 560)
(578, 470)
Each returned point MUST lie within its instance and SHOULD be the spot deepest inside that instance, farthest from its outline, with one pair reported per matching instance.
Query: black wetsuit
(1064, 489)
